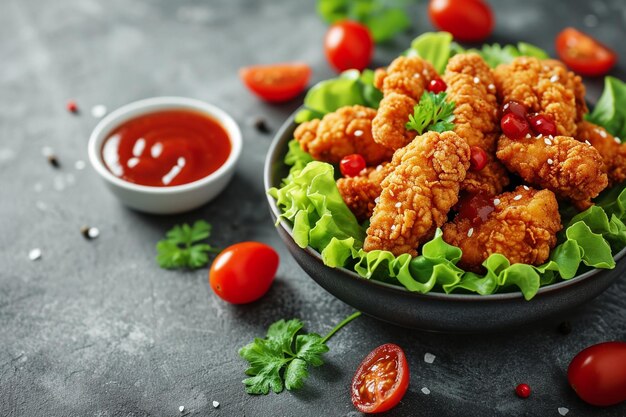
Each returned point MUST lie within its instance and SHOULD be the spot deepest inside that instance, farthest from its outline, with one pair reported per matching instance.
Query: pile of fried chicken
(415, 184)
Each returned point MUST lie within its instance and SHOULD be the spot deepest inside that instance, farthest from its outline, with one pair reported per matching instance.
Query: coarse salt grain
(476, 80)
(563, 411)
(526, 188)
(358, 133)
(425, 390)
(34, 254)
(496, 201)
(517, 197)
(429, 357)
(181, 408)
(98, 111)
(554, 78)
(216, 404)
(547, 141)
(470, 232)
(550, 161)
(398, 204)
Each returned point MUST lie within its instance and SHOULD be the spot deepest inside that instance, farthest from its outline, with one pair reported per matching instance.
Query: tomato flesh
(276, 83)
(381, 380)
(348, 45)
(598, 373)
(244, 272)
(466, 20)
(584, 54)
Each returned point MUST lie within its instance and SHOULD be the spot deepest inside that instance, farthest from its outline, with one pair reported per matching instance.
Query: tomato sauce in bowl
(166, 148)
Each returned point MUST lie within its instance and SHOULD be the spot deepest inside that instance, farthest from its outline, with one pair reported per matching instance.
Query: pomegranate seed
(514, 126)
(478, 158)
(542, 124)
(352, 165)
(515, 108)
(523, 390)
(71, 106)
(437, 86)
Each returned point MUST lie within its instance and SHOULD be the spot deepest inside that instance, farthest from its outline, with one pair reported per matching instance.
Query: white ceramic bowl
(165, 200)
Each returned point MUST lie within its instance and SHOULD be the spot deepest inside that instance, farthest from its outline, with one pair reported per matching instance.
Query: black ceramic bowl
(466, 313)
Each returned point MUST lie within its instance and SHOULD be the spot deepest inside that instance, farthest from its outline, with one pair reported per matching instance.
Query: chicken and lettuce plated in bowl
(455, 190)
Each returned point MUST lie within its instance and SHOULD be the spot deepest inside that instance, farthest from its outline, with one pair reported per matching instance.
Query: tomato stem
(340, 325)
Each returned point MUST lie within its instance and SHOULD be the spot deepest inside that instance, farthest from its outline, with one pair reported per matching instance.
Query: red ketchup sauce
(166, 148)
(475, 207)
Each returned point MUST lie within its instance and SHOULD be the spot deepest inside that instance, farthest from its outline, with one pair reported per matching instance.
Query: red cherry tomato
(478, 158)
(437, 86)
(352, 165)
(243, 272)
(381, 380)
(523, 390)
(348, 45)
(466, 20)
(541, 124)
(514, 126)
(276, 83)
(598, 373)
(584, 54)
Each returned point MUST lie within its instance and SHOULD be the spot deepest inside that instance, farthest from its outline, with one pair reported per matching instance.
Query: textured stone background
(97, 329)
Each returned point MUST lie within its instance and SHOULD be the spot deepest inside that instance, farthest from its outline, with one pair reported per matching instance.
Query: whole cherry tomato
(352, 165)
(243, 272)
(598, 373)
(276, 83)
(381, 380)
(584, 54)
(348, 45)
(466, 20)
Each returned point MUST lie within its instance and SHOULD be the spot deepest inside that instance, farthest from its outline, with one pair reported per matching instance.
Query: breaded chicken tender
(544, 86)
(402, 84)
(569, 168)
(343, 132)
(522, 227)
(360, 192)
(418, 193)
(613, 152)
(490, 180)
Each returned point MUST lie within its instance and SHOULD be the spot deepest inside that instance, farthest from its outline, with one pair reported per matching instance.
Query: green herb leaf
(432, 113)
(181, 249)
(610, 112)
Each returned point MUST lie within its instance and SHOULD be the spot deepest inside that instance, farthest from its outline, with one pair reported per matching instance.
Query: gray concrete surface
(95, 328)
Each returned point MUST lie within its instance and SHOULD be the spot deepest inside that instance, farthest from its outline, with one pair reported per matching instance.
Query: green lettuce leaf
(434, 47)
(610, 112)
(497, 54)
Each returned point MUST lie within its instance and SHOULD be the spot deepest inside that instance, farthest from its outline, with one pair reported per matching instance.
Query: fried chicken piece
(544, 86)
(402, 84)
(569, 168)
(613, 152)
(522, 227)
(472, 88)
(490, 180)
(360, 192)
(343, 132)
(418, 193)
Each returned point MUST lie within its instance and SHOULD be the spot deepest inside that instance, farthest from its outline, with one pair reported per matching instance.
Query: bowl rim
(272, 157)
(151, 105)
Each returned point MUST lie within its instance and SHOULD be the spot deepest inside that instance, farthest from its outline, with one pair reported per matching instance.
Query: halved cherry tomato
(584, 54)
(243, 272)
(348, 45)
(466, 20)
(381, 380)
(276, 83)
(598, 373)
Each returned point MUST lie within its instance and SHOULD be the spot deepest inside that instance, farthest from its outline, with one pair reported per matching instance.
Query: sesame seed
(398, 204)
(506, 106)
(425, 390)
(526, 188)
(617, 140)
(416, 75)
(517, 197)
(554, 78)
(563, 411)
(216, 404)
(425, 72)
(496, 201)
(491, 87)
(379, 167)
(550, 161)
(539, 136)
(393, 227)
(476, 80)
(601, 132)
(470, 232)
(587, 142)
(358, 133)
(528, 136)
(429, 357)
(376, 200)
(392, 193)
(550, 137)
(547, 141)
(34, 254)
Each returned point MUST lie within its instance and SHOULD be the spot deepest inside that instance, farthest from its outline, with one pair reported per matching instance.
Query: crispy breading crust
(612, 151)
(343, 132)
(418, 193)
(490, 180)
(523, 230)
(403, 82)
(360, 192)
(569, 168)
(543, 86)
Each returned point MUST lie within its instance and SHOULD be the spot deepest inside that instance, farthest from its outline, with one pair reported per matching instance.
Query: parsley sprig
(282, 358)
(182, 248)
(432, 113)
